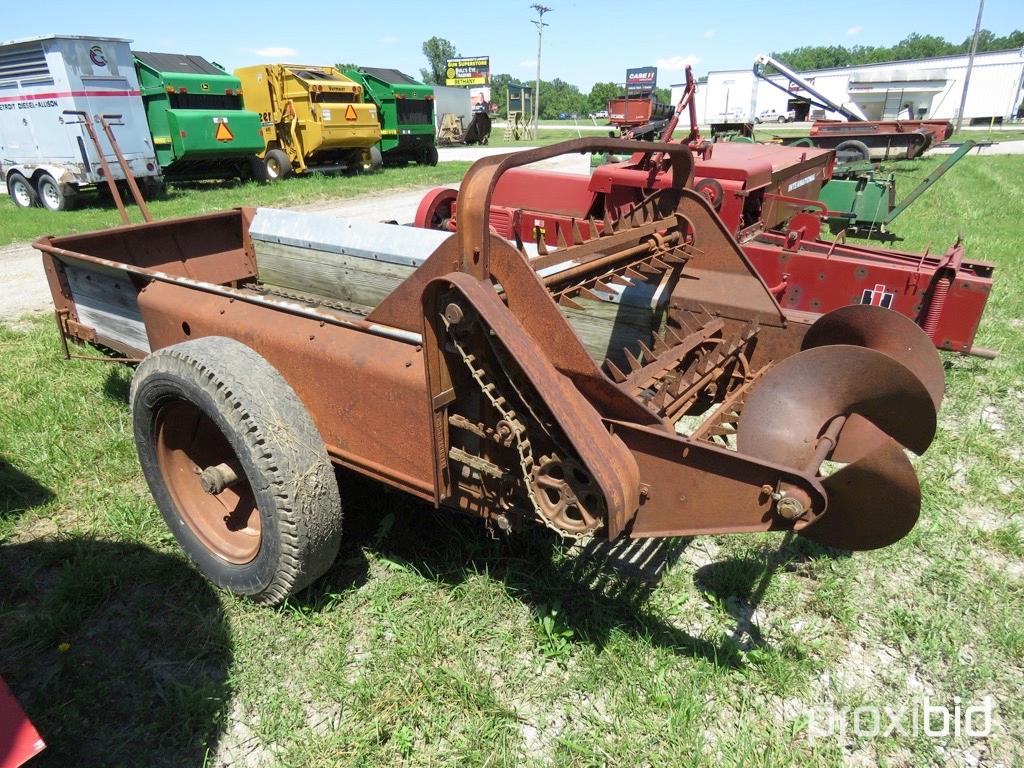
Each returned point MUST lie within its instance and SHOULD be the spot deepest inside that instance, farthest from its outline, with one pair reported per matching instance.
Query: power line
(539, 23)
(970, 66)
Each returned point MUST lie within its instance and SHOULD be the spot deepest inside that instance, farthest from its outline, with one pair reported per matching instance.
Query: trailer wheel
(20, 190)
(152, 187)
(428, 156)
(276, 165)
(237, 467)
(852, 151)
(712, 191)
(376, 158)
(52, 195)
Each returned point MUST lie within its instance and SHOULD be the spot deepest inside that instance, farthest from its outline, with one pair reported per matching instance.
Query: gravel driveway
(23, 288)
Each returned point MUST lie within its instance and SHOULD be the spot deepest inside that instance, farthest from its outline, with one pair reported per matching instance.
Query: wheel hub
(21, 193)
(206, 483)
(50, 196)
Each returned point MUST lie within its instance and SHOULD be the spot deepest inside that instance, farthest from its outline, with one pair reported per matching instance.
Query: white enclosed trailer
(46, 153)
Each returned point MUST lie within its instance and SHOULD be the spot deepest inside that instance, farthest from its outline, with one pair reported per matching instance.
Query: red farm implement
(766, 198)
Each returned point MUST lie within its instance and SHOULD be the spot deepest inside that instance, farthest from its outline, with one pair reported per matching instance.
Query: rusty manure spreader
(564, 390)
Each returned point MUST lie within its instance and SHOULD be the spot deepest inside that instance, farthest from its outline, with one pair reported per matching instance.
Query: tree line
(557, 96)
(913, 46)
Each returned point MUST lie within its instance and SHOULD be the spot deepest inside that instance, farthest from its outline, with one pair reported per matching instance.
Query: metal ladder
(887, 112)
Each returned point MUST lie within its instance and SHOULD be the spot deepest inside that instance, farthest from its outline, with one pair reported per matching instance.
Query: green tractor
(406, 110)
(200, 128)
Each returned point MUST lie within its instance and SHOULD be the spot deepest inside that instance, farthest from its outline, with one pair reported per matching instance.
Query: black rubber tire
(52, 195)
(152, 187)
(376, 158)
(428, 156)
(258, 171)
(781, 119)
(852, 151)
(276, 444)
(276, 165)
(21, 191)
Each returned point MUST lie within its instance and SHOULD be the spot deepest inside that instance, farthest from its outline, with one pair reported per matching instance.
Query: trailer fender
(64, 175)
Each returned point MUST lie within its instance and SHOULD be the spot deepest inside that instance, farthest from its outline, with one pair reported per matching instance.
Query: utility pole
(539, 22)
(970, 66)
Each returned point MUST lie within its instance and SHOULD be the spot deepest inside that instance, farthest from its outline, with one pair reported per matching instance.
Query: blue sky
(585, 42)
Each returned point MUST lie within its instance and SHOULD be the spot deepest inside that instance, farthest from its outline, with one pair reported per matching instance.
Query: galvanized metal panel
(108, 303)
(409, 246)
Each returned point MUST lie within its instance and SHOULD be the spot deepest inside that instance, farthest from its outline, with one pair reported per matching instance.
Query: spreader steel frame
(562, 388)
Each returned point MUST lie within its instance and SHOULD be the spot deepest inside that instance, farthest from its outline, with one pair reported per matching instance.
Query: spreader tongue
(849, 404)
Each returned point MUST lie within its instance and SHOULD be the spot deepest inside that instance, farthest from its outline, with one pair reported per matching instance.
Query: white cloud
(527, 63)
(677, 63)
(275, 53)
(855, 30)
(708, 34)
(389, 39)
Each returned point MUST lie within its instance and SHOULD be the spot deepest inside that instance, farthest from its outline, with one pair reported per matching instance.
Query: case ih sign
(474, 71)
(641, 80)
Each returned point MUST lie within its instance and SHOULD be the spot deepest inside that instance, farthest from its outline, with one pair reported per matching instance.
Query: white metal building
(929, 88)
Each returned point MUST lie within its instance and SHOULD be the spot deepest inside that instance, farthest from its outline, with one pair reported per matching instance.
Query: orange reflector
(350, 113)
(223, 133)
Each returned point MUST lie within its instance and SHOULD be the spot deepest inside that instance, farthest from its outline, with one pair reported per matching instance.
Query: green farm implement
(199, 126)
(406, 110)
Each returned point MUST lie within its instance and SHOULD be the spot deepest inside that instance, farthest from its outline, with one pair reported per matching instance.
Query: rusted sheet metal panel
(366, 394)
(213, 248)
(692, 488)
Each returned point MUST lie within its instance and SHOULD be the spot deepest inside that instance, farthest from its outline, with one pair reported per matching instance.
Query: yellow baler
(310, 117)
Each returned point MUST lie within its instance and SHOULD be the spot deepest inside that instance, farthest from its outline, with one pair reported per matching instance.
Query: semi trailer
(55, 91)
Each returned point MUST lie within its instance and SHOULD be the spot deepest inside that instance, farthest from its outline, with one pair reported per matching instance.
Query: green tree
(913, 46)
(987, 41)
(601, 93)
(438, 51)
(346, 67)
(558, 96)
(499, 91)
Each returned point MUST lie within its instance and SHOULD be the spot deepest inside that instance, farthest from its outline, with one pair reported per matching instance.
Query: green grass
(765, 132)
(429, 643)
(545, 136)
(18, 224)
